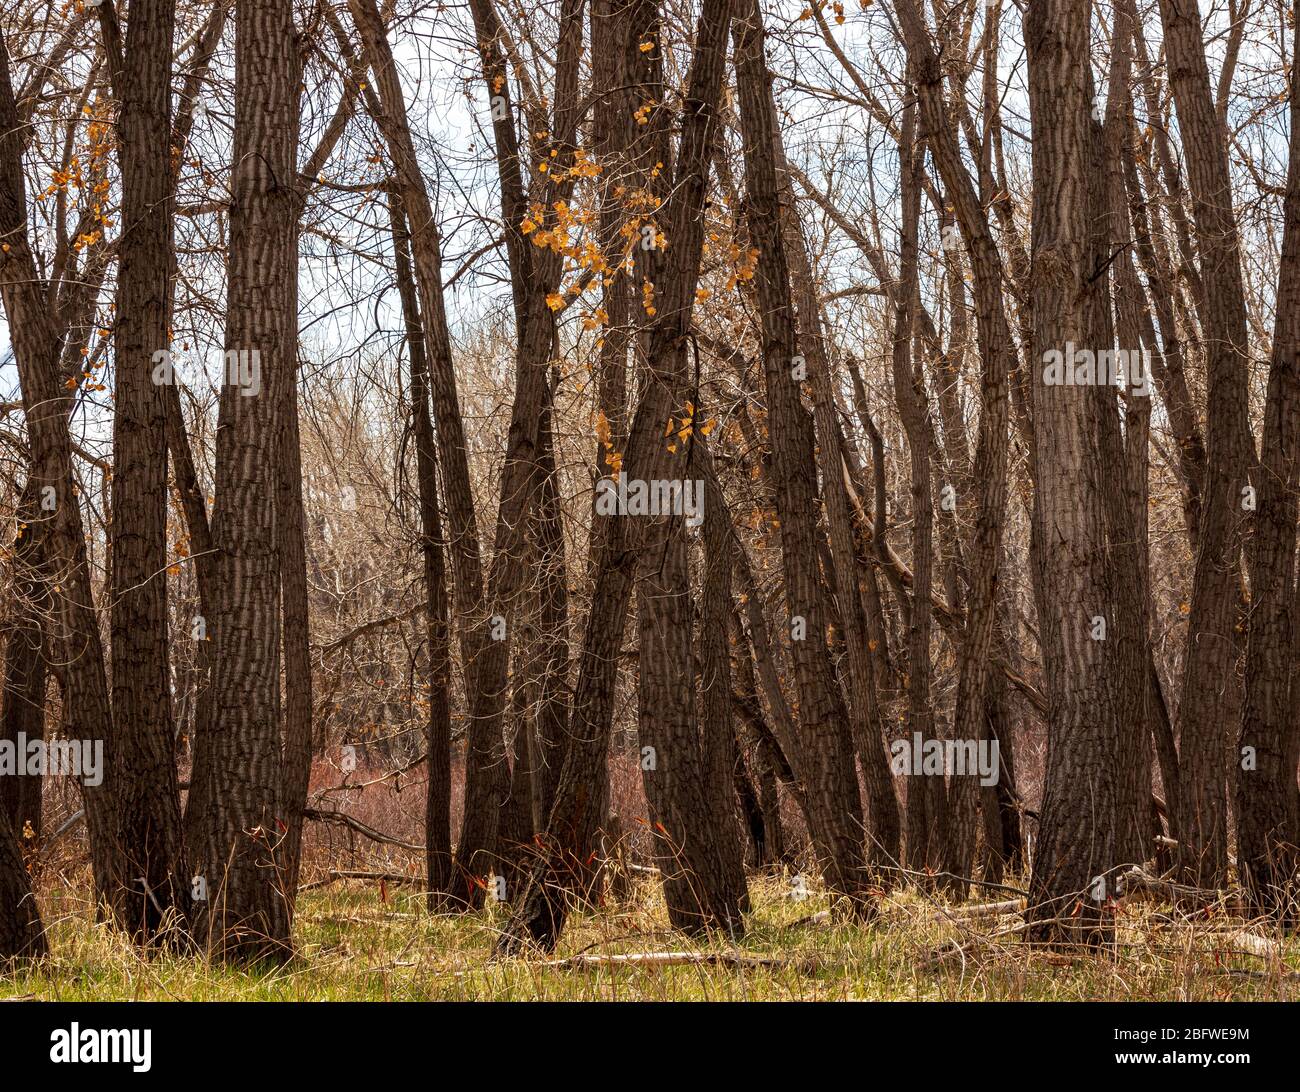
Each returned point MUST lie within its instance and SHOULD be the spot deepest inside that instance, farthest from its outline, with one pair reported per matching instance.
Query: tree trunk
(836, 811)
(1210, 693)
(1077, 829)
(246, 914)
(543, 908)
(1268, 807)
(437, 823)
(36, 339)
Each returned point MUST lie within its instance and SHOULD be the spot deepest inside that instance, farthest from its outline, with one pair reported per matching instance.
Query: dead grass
(354, 944)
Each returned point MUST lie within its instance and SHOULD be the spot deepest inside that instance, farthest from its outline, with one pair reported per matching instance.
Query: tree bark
(246, 914)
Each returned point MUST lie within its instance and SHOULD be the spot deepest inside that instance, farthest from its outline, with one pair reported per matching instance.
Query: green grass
(354, 946)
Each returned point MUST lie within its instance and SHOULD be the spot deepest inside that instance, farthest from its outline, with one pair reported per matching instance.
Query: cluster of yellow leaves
(648, 297)
(743, 265)
(182, 548)
(684, 426)
(642, 114)
(594, 320)
(613, 459)
(583, 165)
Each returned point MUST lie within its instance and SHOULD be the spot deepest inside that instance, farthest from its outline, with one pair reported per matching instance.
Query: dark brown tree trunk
(473, 615)
(148, 798)
(923, 827)
(1268, 806)
(551, 719)
(296, 620)
(246, 913)
(22, 705)
(36, 339)
(569, 840)
(1209, 692)
(1077, 841)
(990, 469)
(831, 785)
(21, 932)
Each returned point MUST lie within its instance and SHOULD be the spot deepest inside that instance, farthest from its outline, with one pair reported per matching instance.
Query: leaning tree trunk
(36, 339)
(544, 905)
(473, 615)
(437, 821)
(1210, 693)
(832, 788)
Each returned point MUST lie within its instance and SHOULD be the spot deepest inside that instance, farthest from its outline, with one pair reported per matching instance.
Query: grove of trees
(748, 394)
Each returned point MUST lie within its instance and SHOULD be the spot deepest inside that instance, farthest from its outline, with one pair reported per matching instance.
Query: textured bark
(247, 911)
(990, 468)
(550, 724)
(1078, 818)
(883, 826)
(1117, 288)
(910, 394)
(473, 616)
(148, 799)
(21, 931)
(296, 620)
(189, 489)
(831, 785)
(535, 275)
(22, 704)
(695, 834)
(36, 339)
(1209, 690)
(1268, 806)
(569, 840)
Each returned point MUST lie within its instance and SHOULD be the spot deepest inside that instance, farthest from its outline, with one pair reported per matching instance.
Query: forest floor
(356, 942)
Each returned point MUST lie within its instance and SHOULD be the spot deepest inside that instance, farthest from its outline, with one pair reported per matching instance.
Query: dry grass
(354, 944)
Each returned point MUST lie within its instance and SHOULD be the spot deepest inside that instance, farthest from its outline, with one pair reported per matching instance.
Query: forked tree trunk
(569, 840)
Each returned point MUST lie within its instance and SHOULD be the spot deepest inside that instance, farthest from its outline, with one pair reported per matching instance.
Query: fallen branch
(987, 909)
(351, 874)
(320, 816)
(682, 959)
(1137, 878)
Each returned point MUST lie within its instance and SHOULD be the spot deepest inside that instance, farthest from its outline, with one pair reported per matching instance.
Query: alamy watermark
(1098, 368)
(936, 757)
(83, 758)
(634, 497)
(115, 1046)
(241, 368)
